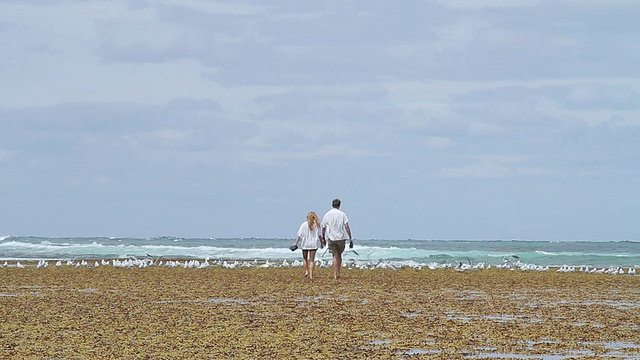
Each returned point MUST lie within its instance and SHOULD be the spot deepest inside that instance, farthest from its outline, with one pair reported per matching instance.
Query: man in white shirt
(335, 229)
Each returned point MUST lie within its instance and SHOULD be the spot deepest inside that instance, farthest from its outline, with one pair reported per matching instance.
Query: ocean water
(433, 253)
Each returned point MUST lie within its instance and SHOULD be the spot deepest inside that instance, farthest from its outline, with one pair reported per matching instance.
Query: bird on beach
(463, 266)
(154, 259)
(18, 265)
(384, 265)
(5, 264)
(232, 265)
(480, 265)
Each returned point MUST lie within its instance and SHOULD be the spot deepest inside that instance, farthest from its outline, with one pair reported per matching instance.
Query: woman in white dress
(308, 239)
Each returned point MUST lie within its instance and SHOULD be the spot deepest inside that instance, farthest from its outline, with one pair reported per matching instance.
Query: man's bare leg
(337, 264)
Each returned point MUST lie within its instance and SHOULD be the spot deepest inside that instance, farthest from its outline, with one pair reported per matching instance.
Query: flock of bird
(595, 270)
(510, 263)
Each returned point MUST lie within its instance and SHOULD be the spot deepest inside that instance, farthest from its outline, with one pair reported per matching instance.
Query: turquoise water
(402, 252)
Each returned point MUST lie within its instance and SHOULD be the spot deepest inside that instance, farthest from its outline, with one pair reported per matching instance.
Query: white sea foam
(463, 255)
(545, 252)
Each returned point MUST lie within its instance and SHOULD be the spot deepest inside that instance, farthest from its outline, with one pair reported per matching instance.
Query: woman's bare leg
(311, 261)
(305, 262)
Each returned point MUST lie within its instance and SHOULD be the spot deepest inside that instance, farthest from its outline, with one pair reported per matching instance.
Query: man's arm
(323, 239)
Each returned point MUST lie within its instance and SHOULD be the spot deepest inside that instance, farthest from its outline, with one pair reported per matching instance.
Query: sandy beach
(276, 313)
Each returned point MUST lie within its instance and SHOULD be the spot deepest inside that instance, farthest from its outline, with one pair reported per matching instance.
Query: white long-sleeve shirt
(308, 237)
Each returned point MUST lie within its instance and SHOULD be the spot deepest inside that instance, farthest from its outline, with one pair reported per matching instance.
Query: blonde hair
(312, 220)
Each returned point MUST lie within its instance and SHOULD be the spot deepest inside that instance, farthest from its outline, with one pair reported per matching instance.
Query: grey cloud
(548, 41)
(560, 144)
(484, 154)
(333, 116)
(36, 2)
(515, 112)
(314, 96)
(365, 24)
(577, 96)
(501, 123)
(5, 27)
(185, 132)
(338, 43)
(298, 44)
(109, 51)
(517, 119)
(598, 96)
(330, 48)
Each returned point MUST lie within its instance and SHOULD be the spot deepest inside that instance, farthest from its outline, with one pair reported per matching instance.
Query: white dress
(308, 238)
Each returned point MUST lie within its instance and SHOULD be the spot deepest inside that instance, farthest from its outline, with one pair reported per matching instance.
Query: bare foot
(306, 274)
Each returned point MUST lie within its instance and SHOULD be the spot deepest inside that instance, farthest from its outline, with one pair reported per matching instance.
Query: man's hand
(350, 244)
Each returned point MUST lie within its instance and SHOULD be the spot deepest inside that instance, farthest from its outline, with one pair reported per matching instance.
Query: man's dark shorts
(337, 246)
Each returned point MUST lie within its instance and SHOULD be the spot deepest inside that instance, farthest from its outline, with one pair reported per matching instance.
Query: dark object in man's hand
(350, 244)
(293, 247)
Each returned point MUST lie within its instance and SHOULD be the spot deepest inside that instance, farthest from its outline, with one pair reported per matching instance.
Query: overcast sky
(442, 119)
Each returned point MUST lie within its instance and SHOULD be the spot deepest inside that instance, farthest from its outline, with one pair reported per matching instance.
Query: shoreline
(217, 312)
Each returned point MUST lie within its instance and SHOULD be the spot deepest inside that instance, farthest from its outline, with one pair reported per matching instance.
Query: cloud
(599, 96)
(269, 47)
(279, 44)
(471, 4)
(210, 101)
(6, 155)
(486, 167)
(182, 129)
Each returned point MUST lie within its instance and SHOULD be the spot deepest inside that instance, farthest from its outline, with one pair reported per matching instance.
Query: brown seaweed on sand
(106, 312)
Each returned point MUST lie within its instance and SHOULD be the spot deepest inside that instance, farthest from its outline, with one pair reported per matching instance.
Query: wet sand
(276, 313)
